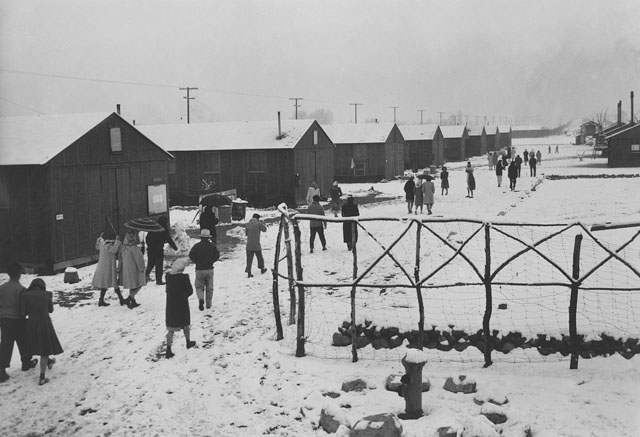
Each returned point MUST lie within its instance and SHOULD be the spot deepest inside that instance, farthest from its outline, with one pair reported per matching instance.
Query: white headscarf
(178, 266)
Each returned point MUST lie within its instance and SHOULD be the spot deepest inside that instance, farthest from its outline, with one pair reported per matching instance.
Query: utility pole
(296, 104)
(355, 106)
(440, 112)
(188, 98)
(421, 111)
(394, 112)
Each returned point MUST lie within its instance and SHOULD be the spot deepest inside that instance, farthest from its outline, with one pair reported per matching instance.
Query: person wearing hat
(204, 254)
(177, 314)
(349, 232)
(253, 229)
(155, 249)
(132, 274)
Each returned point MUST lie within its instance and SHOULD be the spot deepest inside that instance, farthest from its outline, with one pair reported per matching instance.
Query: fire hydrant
(411, 383)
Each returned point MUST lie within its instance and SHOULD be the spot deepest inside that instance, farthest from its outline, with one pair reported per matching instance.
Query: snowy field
(112, 378)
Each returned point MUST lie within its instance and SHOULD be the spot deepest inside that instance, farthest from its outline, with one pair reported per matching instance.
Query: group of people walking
(420, 193)
(25, 321)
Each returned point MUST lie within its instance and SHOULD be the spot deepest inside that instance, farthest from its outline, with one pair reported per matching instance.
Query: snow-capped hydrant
(411, 383)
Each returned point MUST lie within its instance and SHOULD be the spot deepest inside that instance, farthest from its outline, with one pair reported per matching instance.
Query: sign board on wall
(157, 199)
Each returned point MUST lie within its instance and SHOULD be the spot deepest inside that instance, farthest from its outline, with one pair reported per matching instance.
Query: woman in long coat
(349, 209)
(418, 195)
(106, 275)
(177, 314)
(471, 181)
(428, 190)
(132, 274)
(40, 337)
(444, 178)
(409, 188)
(208, 220)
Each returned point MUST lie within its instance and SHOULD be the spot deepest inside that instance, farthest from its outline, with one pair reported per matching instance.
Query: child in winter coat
(177, 314)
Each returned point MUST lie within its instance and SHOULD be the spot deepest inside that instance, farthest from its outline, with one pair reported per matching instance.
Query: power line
(22, 106)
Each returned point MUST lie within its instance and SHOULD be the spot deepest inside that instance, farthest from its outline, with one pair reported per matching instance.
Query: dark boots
(131, 303)
(190, 344)
(101, 302)
(169, 353)
(122, 300)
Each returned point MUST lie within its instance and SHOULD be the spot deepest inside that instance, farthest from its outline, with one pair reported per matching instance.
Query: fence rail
(447, 259)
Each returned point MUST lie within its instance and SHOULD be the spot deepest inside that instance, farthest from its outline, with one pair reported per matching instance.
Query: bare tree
(601, 119)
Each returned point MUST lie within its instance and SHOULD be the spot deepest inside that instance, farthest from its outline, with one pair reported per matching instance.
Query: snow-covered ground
(113, 379)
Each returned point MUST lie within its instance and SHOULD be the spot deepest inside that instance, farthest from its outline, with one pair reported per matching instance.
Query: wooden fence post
(354, 334)
(301, 313)
(276, 297)
(488, 296)
(292, 291)
(573, 304)
(416, 274)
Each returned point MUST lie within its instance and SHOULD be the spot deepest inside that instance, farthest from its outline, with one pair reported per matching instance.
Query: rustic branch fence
(425, 275)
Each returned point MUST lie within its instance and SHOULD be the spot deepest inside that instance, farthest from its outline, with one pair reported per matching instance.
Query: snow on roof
(491, 129)
(625, 129)
(504, 128)
(455, 131)
(475, 130)
(350, 133)
(523, 127)
(231, 135)
(35, 140)
(413, 132)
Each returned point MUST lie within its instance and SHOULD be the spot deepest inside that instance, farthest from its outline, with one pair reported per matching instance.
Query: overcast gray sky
(536, 61)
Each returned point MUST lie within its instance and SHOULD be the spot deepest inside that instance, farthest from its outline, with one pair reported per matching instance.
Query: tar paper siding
(621, 152)
(368, 162)
(71, 199)
(394, 154)
(314, 160)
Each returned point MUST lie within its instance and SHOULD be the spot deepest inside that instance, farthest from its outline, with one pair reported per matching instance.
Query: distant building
(367, 151)
(504, 136)
(624, 147)
(424, 145)
(476, 144)
(455, 138)
(267, 163)
(66, 179)
(491, 138)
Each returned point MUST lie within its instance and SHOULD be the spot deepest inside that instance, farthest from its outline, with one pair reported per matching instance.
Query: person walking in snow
(471, 181)
(208, 220)
(409, 188)
(539, 157)
(12, 322)
(490, 160)
(418, 195)
(499, 173)
(518, 161)
(428, 190)
(106, 275)
(532, 165)
(557, 151)
(444, 181)
(512, 173)
(253, 229)
(336, 193)
(177, 313)
(40, 336)
(313, 190)
(525, 156)
(155, 250)
(317, 226)
(549, 149)
(349, 209)
(131, 264)
(203, 254)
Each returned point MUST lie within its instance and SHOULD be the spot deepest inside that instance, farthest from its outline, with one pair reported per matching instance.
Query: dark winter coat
(156, 240)
(208, 220)
(518, 161)
(409, 187)
(499, 169)
(444, 177)
(178, 291)
(317, 209)
(253, 230)
(471, 181)
(532, 161)
(40, 337)
(512, 172)
(204, 254)
(349, 209)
